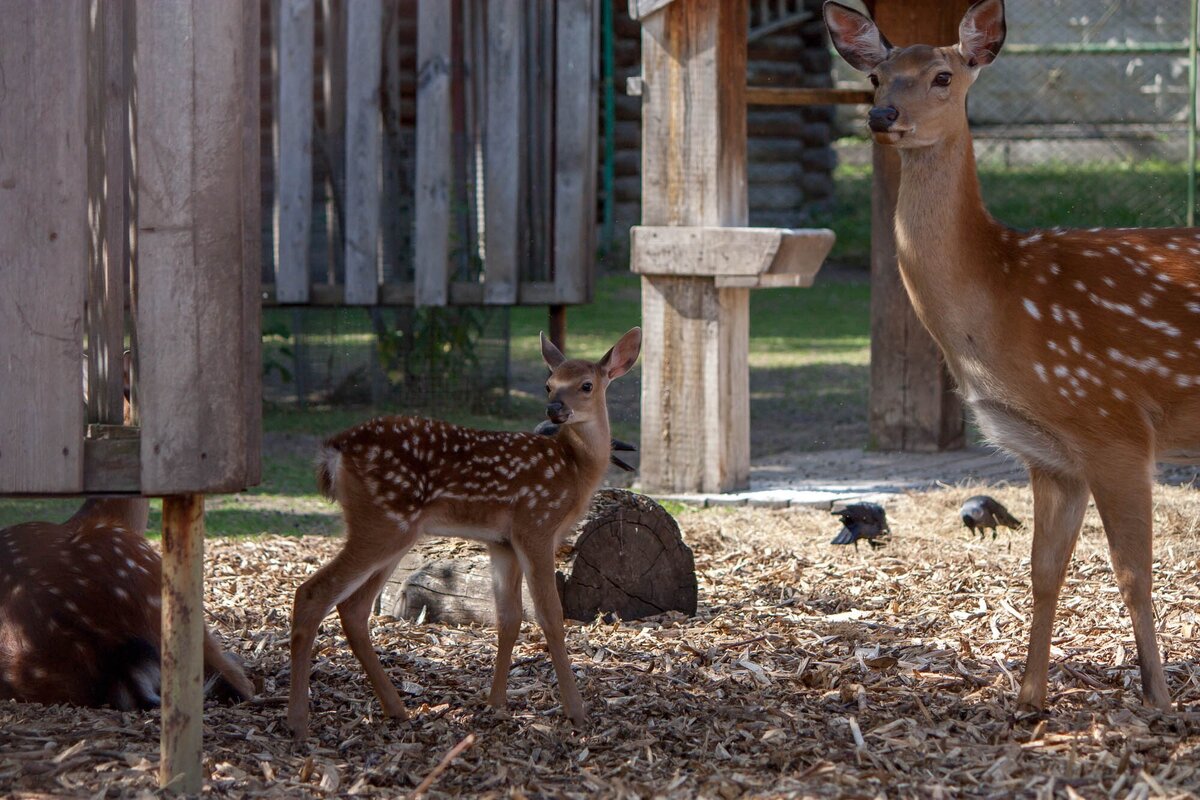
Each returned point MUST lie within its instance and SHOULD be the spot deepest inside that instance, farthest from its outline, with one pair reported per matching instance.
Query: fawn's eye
(942, 79)
(587, 386)
(547, 388)
(874, 80)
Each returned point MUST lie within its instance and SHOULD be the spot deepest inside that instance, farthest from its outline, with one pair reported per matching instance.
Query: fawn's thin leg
(1123, 498)
(539, 570)
(506, 586)
(355, 613)
(315, 598)
(1058, 506)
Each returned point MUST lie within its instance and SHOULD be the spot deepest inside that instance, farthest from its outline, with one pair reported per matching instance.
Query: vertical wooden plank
(191, 281)
(43, 243)
(182, 643)
(695, 380)
(912, 403)
(364, 44)
(431, 256)
(504, 151)
(576, 93)
(293, 150)
(107, 142)
(334, 79)
(251, 214)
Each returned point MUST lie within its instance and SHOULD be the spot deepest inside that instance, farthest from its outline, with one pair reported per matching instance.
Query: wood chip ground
(809, 671)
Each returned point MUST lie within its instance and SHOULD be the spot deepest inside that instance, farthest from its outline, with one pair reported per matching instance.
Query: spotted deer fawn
(80, 610)
(398, 478)
(1077, 350)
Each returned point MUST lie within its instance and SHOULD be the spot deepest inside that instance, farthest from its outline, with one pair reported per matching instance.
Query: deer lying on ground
(398, 478)
(80, 610)
(1077, 350)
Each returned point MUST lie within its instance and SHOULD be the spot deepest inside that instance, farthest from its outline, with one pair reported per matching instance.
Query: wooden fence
(501, 201)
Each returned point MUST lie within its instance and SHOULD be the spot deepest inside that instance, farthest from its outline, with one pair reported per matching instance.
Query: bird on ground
(548, 428)
(862, 521)
(981, 512)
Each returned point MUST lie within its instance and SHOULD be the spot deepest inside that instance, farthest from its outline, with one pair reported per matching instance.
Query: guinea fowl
(548, 428)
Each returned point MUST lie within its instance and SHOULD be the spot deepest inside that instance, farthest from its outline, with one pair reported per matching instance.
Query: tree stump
(628, 559)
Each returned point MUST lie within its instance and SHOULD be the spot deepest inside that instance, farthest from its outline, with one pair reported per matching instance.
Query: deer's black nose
(557, 413)
(882, 119)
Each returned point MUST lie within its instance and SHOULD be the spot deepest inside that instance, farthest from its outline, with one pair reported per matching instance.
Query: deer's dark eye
(874, 80)
(942, 79)
(547, 388)
(587, 386)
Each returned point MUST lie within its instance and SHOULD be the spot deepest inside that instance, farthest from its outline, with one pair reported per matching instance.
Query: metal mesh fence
(404, 358)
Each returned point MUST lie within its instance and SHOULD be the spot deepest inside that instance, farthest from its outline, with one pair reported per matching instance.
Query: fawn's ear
(855, 36)
(551, 354)
(620, 358)
(981, 32)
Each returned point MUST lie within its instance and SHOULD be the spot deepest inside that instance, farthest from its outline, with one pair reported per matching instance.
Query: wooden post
(695, 380)
(504, 151)
(182, 643)
(913, 405)
(431, 256)
(558, 326)
(293, 150)
(364, 19)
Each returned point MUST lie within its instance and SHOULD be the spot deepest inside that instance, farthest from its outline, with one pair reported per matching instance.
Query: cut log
(629, 560)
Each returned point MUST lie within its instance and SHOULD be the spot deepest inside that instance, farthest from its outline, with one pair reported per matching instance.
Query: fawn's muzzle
(557, 412)
(880, 120)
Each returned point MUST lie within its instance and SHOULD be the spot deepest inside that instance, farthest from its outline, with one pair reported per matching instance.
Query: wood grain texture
(251, 215)
(795, 96)
(431, 258)
(43, 244)
(454, 591)
(293, 150)
(577, 67)
(504, 151)
(364, 22)
(191, 301)
(728, 252)
(912, 404)
(182, 642)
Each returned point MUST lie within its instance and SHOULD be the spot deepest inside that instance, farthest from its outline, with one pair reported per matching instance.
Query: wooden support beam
(364, 43)
(182, 643)
(504, 151)
(912, 402)
(43, 243)
(789, 96)
(431, 258)
(695, 379)
(293, 150)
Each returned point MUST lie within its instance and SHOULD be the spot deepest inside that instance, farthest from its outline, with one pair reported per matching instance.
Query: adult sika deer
(1077, 350)
(398, 478)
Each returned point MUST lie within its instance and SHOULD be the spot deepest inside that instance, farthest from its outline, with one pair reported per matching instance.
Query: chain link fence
(1085, 120)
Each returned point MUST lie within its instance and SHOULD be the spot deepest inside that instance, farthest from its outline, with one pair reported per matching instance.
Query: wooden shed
(129, 217)
(698, 260)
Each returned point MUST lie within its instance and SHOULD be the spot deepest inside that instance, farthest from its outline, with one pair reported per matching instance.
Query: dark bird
(982, 512)
(548, 428)
(862, 521)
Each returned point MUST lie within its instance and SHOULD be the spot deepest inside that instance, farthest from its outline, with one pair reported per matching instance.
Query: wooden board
(293, 149)
(43, 244)
(251, 216)
(191, 278)
(912, 402)
(576, 116)
(729, 252)
(364, 42)
(431, 256)
(504, 151)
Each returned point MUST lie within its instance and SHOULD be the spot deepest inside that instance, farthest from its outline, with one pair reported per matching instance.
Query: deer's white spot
(1031, 308)
(1055, 268)
(1040, 369)
(1108, 281)
(1080, 286)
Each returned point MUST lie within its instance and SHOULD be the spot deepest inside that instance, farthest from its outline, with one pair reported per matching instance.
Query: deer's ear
(620, 358)
(981, 32)
(551, 354)
(856, 37)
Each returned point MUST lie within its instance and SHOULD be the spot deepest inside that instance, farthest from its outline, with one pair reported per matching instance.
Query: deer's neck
(130, 513)
(589, 445)
(948, 245)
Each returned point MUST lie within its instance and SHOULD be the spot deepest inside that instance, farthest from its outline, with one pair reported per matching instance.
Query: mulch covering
(809, 671)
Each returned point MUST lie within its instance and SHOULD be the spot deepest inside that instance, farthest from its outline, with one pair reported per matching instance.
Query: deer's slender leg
(1058, 506)
(506, 585)
(355, 613)
(538, 566)
(1123, 498)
